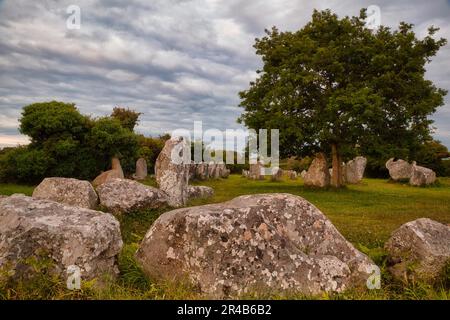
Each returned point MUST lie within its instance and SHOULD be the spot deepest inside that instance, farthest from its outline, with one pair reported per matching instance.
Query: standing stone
(200, 192)
(125, 196)
(192, 171)
(201, 171)
(223, 171)
(253, 244)
(172, 171)
(66, 235)
(256, 171)
(318, 174)
(141, 169)
(303, 174)
(116, 172)
(421, 176)
(277, 174)
(245, 173)
(354, 170)
(399, 169)
(69, 191)
(419, 250)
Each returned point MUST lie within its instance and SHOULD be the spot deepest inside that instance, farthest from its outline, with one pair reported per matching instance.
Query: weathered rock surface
(419, 249)
(417, 175)
(399, 169)
(303, 174)
(124, 196)
(318, 174)
(67, 235)
(257, 243)
(172, 175)
(69, 191)
(354, 170)
(200, 192)
(115, 173)
(422, 176)
(277, 174)
(141, 169)
(256, 171)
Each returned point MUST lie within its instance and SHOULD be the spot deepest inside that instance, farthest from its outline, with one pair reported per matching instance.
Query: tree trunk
(336, 179)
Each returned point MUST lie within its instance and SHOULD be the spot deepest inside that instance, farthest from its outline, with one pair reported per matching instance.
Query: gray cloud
(174, 61)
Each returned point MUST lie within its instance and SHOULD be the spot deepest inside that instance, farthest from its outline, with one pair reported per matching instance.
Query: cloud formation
(174, 61)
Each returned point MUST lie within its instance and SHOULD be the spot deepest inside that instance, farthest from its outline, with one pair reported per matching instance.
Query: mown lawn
(365, 214)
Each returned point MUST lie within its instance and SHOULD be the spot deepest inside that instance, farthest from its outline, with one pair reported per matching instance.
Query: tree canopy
(334, 85)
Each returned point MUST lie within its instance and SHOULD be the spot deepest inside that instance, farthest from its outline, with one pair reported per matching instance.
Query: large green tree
(334, 85)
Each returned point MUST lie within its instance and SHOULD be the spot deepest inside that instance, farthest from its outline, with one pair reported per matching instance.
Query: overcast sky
(175, 61)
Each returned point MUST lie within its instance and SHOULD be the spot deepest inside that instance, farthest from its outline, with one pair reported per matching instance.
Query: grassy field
(365, 214)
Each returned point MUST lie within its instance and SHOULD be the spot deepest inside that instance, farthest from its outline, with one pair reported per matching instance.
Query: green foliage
(65, 143)
(128, 118)
(334, 82)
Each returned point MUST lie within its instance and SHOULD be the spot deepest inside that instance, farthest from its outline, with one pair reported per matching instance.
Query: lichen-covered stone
(67, 235)
(256, 243)
(116, 172)
(354, 170)
(318, 174)
(172, 171)
(422, 176)
(419, 250)
(292, 174)
(399, 169)
(69, 191)
(256, 171)
(200, 192)
(141, 169)
(124, 196)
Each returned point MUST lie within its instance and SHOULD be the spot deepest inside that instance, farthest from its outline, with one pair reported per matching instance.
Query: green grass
(365, 214)
(9, 189)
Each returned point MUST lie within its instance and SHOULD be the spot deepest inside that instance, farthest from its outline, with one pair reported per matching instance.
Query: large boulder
(172, 171)
(303, 174)
(141, 169)
(354, 170)
(68, 236)
(419, 250)
(318, 174)
(116, 172)
(256, 243)
(399, 169)
(200, 192)
(124, 196)
(422, 176)
(69, 191)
